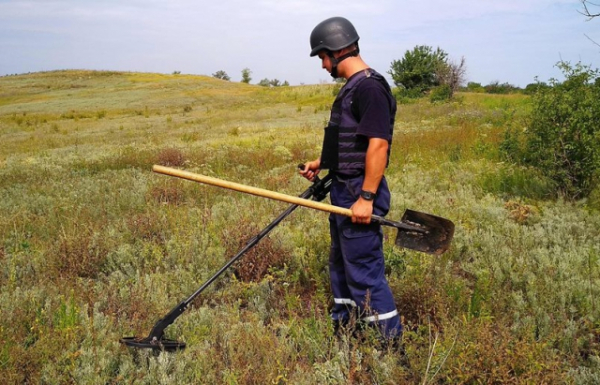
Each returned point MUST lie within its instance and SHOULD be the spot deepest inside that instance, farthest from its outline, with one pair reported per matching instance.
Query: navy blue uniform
(363, 109)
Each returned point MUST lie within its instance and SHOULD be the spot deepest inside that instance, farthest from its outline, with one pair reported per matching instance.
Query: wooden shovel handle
(252, 190)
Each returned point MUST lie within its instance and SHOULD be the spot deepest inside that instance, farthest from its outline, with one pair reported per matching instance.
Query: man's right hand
(311, 170)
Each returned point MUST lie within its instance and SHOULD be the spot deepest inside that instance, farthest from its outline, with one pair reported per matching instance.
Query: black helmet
(332, 34)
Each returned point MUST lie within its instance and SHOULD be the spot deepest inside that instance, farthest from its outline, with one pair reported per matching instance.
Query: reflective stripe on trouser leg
(374, 318)
(344, 301)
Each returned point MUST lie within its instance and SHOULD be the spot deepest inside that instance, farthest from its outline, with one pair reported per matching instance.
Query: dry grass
(94, 246)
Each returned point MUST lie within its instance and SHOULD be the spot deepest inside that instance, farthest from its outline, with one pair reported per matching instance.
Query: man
(356, 150)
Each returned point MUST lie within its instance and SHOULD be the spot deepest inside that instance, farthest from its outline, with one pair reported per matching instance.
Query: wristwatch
(367, 195)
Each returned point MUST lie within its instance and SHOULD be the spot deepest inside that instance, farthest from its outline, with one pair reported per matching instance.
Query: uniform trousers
(356, 262)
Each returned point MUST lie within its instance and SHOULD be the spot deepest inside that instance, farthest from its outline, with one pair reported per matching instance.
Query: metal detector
(156, 339)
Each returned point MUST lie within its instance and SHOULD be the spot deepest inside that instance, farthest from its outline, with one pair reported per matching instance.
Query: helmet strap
(335, 61)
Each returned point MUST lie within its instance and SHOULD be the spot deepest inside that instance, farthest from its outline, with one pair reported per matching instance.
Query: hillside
(95, 247)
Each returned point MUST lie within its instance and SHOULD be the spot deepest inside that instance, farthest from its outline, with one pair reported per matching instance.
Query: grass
(94, 246)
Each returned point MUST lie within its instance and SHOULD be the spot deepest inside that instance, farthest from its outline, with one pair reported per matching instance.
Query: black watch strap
(367, 195)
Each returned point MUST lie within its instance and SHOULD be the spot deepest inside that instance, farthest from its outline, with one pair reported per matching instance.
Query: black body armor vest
(344, 151)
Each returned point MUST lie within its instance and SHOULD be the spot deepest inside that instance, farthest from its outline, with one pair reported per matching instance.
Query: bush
(221, 75)
(171, 157)
(405, 95)
(563, 134)
(440, 94)
(475, 87)
(500, 88)
(532, 88)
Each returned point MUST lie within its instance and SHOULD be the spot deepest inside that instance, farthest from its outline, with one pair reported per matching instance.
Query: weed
(522, 213)
(257, 261)
(171, 157)
(79, 252)
(168, 193)
(190, 137)
(94, 246)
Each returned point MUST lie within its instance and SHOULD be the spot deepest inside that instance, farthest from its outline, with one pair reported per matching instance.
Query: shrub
(405, 95)
(516, 182)
(221, 75)
(169, 192)
(171, 157)
(79, 253)
(475, 87)
(563, 134)
(532, 88)
(440, 94)
(258, 259)
(500, 88)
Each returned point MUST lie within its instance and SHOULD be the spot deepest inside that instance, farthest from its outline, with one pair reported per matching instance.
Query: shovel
(416, 231)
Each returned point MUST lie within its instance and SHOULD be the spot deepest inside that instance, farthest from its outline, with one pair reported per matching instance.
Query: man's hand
(362, 210)
(311, 170)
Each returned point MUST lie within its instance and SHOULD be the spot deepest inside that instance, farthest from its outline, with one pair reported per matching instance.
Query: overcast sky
(502, 40)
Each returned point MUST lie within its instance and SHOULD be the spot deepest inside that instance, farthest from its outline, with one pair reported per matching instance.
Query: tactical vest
(344, 151)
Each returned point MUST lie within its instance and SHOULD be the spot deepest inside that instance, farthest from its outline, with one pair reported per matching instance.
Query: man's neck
(350, 66)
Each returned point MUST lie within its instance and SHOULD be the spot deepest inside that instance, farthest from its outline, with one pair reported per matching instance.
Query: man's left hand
(362, 210)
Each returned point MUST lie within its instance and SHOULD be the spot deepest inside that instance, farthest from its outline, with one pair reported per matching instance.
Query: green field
(94, 246)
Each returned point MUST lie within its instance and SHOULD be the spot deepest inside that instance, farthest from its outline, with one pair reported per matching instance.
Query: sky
(512, 41)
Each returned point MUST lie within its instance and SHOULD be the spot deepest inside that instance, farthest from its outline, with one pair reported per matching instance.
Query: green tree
(418, 69)
(221, 75)
(246, 75)
(563, 131)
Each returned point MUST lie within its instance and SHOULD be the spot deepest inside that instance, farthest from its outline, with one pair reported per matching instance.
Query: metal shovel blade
(430, 234)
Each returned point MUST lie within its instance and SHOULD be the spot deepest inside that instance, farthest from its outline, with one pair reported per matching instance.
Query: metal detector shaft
(318, 191)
